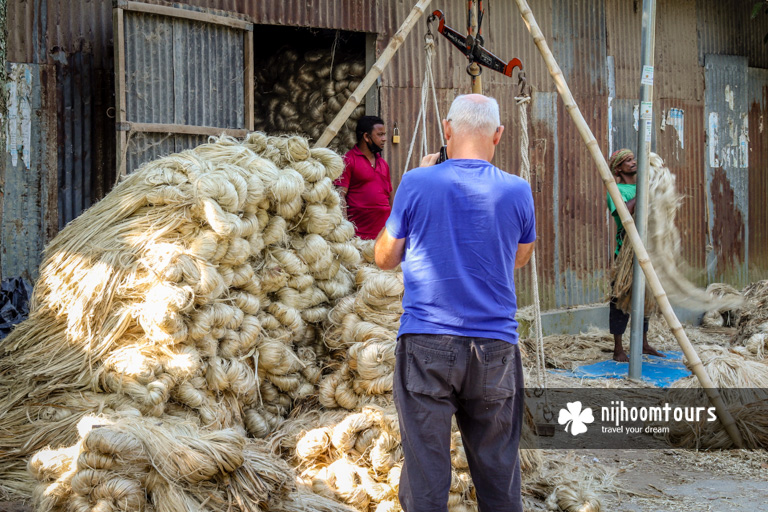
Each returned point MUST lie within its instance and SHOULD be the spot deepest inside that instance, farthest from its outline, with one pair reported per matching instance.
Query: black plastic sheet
(15, 293)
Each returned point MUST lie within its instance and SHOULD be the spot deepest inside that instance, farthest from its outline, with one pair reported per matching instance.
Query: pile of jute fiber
(743, 385)
(196, 289)
(301, 92)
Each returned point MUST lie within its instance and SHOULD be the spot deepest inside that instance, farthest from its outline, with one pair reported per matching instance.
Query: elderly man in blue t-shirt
(460, 229)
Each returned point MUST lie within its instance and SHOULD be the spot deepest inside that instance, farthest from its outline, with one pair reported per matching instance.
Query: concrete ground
(680, 480)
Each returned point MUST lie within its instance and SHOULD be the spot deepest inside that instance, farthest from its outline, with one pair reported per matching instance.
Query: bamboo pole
(375, 72)
(626, 219)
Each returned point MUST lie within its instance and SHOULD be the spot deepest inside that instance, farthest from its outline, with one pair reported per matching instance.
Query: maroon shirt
(368, 193)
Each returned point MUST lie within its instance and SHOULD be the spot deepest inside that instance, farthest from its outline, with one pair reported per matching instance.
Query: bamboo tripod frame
(375, 72)
(629, 225)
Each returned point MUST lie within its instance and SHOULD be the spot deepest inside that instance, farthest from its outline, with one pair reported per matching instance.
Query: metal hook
(525, 87)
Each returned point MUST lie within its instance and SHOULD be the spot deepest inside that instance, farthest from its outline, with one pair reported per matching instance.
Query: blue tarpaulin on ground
(659, 371)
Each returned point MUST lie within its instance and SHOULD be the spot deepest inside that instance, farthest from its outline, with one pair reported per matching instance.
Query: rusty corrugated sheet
(725, 28)
(684, 154)
(27, 21)
(579, 45)
(166, 83)
(727, 160)
(28, 207)
(584, 235)
(677, 72)
(575, 235)
(758, 173)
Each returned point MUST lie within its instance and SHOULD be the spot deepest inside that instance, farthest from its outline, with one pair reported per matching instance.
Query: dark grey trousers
(479, 380)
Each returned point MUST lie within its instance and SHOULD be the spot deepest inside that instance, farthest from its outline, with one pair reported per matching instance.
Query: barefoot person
(624, 169)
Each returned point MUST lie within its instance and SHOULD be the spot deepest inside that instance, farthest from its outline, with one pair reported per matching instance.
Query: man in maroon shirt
(366, 187)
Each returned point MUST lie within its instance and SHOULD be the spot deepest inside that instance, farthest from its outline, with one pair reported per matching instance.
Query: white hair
(474, 114)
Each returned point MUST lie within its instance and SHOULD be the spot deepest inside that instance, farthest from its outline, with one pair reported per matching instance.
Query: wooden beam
(175, 12)
(120, 107)
(249, 80)
(183, 129)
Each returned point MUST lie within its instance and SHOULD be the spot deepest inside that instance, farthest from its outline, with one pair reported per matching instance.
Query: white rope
(427, 83)
(525, 173)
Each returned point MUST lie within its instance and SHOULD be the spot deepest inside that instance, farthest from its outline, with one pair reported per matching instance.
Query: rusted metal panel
(725, 28)
(28, 219)
(623, 25)
(682, 145)
(85, 154)
(165, 80)
(677, 72)
(579, 45)
(758, 173)
(543, 151)
(584, 232)
(27, 20)
(727, 161)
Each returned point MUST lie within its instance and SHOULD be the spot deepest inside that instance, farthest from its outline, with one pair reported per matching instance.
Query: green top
(628, 192)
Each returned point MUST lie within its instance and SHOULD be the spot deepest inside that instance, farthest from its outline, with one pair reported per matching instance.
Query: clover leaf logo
(575, 418)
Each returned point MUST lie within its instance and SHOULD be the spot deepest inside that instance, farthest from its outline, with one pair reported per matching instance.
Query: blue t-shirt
(462, 221)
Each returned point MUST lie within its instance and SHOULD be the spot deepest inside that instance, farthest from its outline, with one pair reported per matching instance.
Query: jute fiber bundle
(357, 457)
(568, 351)
(726, 316)
(742, 383)
(302, 93)
(197, 288)
(664, 248)
(570, 485)
(753, 320)
(362, 335)
(134, 463)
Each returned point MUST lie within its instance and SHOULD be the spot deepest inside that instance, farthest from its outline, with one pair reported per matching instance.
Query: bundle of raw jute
(302, 93)
(357, 457)
(742, 383)
(197, 286)
(753, 320)
(664, 248)
(134, 463)
(569, 484)
(727, 316)
(362, 335)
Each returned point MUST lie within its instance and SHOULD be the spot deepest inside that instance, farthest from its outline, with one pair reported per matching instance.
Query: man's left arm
(524, 253)
(388, 251)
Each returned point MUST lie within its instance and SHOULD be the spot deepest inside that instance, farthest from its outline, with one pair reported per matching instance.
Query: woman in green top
(624, 169)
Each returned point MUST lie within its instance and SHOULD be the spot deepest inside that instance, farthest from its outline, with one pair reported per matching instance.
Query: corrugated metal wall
(758, 173)
(596, 43)
(166, 83)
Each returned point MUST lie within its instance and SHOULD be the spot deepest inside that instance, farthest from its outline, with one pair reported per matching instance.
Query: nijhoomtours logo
(574, 418)
(615, 416)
